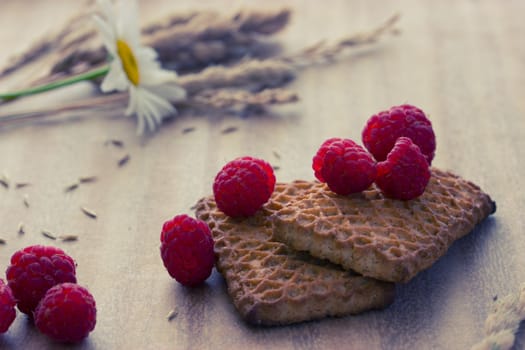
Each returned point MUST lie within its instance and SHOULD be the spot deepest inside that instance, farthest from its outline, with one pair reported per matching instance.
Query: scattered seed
(123, 160)
(26, 201)
(276, 155)
(22, 184)
(71, 187)
(193, 207)
(229, 130)
(87, 179)
(171, 315)
(48, 234)
(188, 130)
(495, 298)
(2, 241)
(68, 238)
(276, 167)
(116, 143)
(21, 230)
(89, 213)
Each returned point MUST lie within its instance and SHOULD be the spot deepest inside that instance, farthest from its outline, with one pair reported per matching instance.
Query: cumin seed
(172, 315)
(3, 241)
(71, 187)
(188, 130)
(68, 238)
(48, 234)
(116, 143)
(89, 213)
(122, 161)
(26, 201)
(229, 130)
(22, 184)
(87, 179)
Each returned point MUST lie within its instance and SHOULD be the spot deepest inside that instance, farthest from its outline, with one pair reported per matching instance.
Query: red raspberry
(67, 313)
(405, 172)
(383, 129)
(34, 270)
(187, 250)
(7, 307)
(243, 186)
(344, 165)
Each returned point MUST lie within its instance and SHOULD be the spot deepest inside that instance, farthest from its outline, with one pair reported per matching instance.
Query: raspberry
(7, 307)
(34, 270)
(383, 129)
(344, 165)
(405, 172)
(67, 313)
(243, 186)
(187, 250)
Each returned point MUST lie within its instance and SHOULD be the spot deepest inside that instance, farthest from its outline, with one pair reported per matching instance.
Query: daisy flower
(135, 67)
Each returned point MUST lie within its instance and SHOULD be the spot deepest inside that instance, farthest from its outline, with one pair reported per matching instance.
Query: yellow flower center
(129, 63)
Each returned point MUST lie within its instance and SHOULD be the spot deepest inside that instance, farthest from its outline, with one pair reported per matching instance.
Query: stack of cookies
(293, 252)
(310, 253)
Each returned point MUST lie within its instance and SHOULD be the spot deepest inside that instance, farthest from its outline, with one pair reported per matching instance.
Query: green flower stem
(95, 73)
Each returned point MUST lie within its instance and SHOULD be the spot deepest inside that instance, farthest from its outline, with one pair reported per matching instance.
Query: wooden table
(461, 61)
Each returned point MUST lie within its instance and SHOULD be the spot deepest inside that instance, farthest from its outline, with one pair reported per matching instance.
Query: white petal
(171, 92)
(116, 78)
(161, 106)
(145, 54)
(108, 37)
(106, 7)
(156, 77)
(128, 21)
(149, 108)
(132, 104)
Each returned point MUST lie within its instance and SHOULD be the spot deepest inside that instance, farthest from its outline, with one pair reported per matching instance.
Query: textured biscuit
(271, 284)
(378, 237)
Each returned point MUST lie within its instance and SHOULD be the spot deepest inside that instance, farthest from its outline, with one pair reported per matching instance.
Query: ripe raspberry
(405, 172)
(187, 250)
(67, 313)
(383, 129)
(345, 166)
(7, 307)
(243, 186)
(34, 270)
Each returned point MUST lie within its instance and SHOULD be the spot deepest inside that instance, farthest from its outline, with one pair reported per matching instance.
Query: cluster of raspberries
(41, 282)
(400, 144)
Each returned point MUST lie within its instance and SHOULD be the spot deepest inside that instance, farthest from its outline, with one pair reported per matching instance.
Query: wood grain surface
(461, 61)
